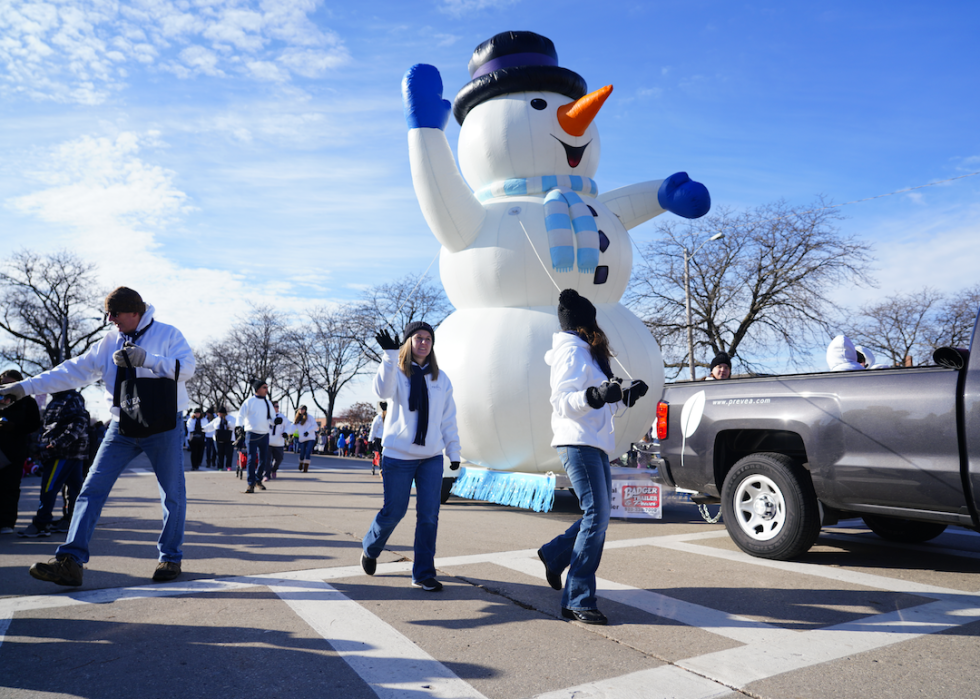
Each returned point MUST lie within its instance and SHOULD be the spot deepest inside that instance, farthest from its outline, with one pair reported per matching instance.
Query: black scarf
(418, 400)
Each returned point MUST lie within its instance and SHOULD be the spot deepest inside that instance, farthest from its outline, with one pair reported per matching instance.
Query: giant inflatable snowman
(530, 222)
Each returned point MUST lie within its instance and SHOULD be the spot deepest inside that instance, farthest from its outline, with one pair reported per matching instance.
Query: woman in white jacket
(306, 434)
(584, 399)
(420, 425)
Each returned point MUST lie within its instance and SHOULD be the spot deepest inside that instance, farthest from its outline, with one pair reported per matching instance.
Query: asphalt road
(273, 603)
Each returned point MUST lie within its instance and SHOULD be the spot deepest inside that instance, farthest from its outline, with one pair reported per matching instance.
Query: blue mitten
(422, 96)
(681, 195)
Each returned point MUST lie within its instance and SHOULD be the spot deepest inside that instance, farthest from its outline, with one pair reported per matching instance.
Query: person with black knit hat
(584, 398)
(721, 366)
(420, 426)
(257, 416)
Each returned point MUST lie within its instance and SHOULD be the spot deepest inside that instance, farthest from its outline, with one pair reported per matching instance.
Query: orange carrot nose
(576, 116)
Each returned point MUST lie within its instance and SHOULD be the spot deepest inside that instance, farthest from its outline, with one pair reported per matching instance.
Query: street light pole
(687, 298)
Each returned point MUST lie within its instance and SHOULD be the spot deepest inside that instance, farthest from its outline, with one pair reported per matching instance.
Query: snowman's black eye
(539, 104)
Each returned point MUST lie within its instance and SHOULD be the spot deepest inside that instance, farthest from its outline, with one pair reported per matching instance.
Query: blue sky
(214, 153)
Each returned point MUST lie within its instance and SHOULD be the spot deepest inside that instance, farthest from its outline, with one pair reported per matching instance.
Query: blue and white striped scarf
(564, 212)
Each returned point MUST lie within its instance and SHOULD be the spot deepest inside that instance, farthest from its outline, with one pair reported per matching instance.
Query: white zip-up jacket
(306, 431)
(164, 346)
(377, 428)
(391, 384)
(256, 415)
(573, 420)
(277, 433)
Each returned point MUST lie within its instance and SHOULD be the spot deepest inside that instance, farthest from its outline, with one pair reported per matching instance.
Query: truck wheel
(770, 507)
(906, 531)
(447, 485)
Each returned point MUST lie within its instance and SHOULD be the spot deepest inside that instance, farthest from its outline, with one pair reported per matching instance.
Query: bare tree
(52, 308)
(392, 306)
(358, 414)
(759, 292)
(955, 318)
(335, 355)
(902, 326)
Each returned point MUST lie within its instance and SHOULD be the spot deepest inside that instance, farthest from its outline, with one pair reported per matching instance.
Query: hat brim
(507, 81)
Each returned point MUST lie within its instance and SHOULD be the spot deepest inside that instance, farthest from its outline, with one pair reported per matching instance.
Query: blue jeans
(397, 475)
(580, 548)
(258, 457)
(58, 472)
(165, 451)
(306, 449)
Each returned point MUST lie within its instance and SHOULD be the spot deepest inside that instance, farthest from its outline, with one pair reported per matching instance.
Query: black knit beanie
(721, 358)
(415, 326)
(575, 311)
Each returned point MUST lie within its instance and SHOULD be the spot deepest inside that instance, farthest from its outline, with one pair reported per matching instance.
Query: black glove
(278, 420)
(453, 465)
(637, 390)
(607, 392)
(386, 341)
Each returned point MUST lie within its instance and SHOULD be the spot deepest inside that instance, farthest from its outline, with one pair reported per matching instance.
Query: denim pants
(306, 450)
(397, 475)
(258, 457)
(580, 548)
(58, 472)
(165, 451)
(210, 452)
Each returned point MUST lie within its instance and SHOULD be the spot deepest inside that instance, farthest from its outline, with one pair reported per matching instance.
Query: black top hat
(515, 62)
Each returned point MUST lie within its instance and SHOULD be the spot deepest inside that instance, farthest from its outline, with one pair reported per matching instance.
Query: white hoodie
(164, 345)
(573, 420)
(841, 355)
(277, 433)
(391, 385)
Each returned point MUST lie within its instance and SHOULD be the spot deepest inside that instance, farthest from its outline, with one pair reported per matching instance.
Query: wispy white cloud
(458, 8)
(84, 51)
(116, 209)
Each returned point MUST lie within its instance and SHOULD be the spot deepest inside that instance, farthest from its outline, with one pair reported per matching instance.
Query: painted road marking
(362, 639)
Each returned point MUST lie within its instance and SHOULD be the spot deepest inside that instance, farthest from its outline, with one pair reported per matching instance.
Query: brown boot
(306, 467)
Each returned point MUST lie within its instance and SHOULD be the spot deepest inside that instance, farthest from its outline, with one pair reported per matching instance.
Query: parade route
(273, 602)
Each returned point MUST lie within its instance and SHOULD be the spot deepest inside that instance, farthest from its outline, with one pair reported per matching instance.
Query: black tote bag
(147, 406)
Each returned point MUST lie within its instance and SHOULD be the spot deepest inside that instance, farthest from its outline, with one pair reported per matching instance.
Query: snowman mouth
(574, 154)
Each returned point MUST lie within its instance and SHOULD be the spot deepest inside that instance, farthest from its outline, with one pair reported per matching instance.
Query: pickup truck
(786, 455)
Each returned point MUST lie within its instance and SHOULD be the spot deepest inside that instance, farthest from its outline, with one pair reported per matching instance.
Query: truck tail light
(662, 408)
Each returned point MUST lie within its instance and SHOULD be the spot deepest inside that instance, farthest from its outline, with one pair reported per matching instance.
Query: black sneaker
(553, 578)
(166, 571)
(63, 570)
(368, 564)
(429, 584)
(32, 532)
(62, 525)
(586, 616)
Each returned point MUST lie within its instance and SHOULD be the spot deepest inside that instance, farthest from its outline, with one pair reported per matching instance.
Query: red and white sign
(636, 499)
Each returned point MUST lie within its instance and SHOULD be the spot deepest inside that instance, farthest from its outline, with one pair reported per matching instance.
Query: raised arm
(638, 203)
(450, 208)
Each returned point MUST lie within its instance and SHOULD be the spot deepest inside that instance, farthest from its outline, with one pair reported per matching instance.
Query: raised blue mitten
(681, 195)
(422, 95)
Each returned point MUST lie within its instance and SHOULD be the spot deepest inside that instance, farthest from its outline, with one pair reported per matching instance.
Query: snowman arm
(453, 212)
(634, 204)
(678, 194)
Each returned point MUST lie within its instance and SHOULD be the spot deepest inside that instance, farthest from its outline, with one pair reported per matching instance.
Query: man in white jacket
(257, 417)
(277, 440)
(155, 349)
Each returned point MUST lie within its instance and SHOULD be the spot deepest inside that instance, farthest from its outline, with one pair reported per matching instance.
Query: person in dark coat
(18, 421)
(64, 448)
